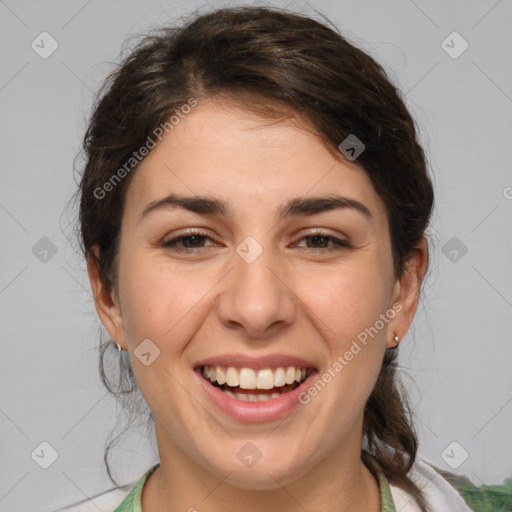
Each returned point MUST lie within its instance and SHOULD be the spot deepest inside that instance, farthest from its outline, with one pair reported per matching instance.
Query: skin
(288, 301)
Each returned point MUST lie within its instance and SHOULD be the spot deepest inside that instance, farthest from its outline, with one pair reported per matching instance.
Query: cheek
(347, 300)
(167, 306)
(353, 306)
(160, 301)
(347, 306)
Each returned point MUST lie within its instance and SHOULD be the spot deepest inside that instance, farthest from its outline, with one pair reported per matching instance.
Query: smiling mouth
(251, 385)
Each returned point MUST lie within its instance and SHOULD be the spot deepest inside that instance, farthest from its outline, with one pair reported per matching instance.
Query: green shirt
(132, 502)
(486, 498)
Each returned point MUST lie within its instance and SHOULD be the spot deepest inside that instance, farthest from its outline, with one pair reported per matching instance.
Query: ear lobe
(105, 301)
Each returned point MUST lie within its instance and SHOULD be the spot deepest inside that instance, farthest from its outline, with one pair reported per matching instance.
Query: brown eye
(320, 242)
(186, 243)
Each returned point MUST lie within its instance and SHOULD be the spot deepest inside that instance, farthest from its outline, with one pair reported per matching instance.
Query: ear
(106, 302)
(407, 292)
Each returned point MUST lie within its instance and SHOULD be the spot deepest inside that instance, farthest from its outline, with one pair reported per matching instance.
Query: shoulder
(107, 501)
(439, 494)
(121, 499)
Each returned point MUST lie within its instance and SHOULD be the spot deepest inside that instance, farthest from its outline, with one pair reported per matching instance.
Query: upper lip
(257, 363)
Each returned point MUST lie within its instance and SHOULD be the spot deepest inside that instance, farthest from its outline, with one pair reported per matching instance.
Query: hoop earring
(119, 348)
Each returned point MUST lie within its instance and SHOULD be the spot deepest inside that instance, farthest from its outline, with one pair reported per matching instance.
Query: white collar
(439, 494)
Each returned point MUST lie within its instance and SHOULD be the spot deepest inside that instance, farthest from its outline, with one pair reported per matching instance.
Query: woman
(253, 211)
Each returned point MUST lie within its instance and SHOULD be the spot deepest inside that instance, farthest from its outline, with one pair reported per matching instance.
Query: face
(255, 289)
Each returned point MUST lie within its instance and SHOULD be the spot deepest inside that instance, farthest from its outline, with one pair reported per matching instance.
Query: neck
(340, 483)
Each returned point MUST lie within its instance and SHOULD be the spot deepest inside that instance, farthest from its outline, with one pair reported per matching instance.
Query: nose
(257, 298)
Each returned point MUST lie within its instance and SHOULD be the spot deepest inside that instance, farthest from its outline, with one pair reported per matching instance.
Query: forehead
(222, 150)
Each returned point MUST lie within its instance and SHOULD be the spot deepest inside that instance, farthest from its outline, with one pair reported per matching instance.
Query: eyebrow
(207, 205)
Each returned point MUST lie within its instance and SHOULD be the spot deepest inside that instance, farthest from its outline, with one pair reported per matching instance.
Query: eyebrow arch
(207, 205)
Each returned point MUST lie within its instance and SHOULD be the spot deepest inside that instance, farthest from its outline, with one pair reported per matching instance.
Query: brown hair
(273, 62)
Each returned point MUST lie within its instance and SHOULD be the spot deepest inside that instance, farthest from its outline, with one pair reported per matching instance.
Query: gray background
(458, 352)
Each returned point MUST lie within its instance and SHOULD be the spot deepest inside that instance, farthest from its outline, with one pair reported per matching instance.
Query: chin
(262, 475)
(262, 479)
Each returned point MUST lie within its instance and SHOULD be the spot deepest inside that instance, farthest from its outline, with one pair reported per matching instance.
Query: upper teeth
(247, 378)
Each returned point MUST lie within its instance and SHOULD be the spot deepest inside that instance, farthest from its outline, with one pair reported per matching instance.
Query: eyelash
(173, 243)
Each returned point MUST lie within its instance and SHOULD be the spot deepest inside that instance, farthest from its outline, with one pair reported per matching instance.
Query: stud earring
(396, 339)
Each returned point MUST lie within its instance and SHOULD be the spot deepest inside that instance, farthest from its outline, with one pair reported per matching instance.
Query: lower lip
(254, 412)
